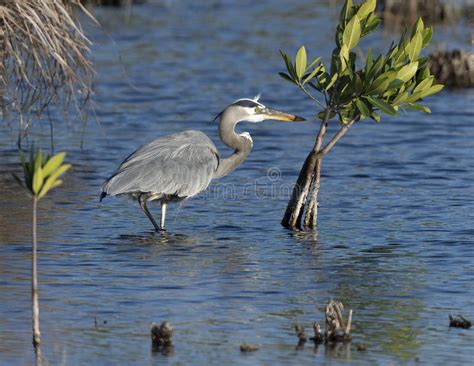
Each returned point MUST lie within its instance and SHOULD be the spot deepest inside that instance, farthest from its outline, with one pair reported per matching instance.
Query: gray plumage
(178, 166)
(175, 167)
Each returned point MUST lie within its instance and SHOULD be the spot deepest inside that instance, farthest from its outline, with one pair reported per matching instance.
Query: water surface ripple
(395, 238)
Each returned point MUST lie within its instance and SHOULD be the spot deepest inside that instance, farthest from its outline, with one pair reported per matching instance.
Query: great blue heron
(179, 166)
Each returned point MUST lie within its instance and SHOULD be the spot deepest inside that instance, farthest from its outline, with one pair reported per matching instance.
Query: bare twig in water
(246, 347)
(302, 338)
(299, 330)
(318, 334)
(459, 322)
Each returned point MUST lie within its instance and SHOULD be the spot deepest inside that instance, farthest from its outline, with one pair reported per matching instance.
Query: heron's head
(251, 110)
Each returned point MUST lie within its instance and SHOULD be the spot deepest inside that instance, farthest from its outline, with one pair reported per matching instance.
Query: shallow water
(395, 237)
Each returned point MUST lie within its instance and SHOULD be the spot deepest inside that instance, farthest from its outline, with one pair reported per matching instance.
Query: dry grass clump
(43, 59)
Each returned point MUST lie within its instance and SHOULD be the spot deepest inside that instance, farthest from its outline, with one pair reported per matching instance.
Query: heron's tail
(102, 196)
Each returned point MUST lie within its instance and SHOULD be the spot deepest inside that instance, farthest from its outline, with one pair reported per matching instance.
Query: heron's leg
(164, 204)
(142, 200)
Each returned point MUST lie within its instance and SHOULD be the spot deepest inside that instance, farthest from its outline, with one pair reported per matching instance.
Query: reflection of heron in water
(178, 166)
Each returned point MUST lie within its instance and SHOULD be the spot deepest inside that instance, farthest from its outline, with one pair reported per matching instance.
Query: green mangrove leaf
(427, 35)
(362, 107)
(314, 62)
(289, 65)
(38, 159)
(366, 8)
(369, 61)
(424, 85)
(378, 86)
(37, 180)
(375, 117)
(286, 77)
(300, 62)
(407, 71)
(53, 164)
(376, 67)
(312, 74)
(351, 34)
(60, 171)
(333, 80)
(414, 47)
(382, 105)
(344, 57)
(395, 84)
(346, 12)
(418, 27)
(401, 98)
(358, 84)
(432, 90)
(48, 185)
(418, 107)
(372, 22)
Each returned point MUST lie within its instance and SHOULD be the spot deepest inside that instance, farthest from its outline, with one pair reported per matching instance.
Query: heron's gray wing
(180, 165)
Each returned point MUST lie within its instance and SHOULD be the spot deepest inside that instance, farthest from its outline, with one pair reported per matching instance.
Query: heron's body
(190, 156)
(182, 165)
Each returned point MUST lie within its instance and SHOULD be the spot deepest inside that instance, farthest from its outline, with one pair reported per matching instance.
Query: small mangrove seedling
(387, 83)
(41, 174)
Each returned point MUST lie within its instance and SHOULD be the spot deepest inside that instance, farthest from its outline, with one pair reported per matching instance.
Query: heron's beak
(282, 116)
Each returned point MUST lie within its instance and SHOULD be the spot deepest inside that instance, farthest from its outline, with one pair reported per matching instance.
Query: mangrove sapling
(40, 175)
(387, 83)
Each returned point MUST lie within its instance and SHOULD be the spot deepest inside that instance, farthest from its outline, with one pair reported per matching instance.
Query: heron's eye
(258, 110)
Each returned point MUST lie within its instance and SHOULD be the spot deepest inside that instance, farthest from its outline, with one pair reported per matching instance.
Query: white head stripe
(251, 102)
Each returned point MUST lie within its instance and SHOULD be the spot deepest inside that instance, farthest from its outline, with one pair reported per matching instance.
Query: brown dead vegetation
(43, 60)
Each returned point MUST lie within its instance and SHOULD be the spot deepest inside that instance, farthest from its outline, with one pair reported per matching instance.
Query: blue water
(395, 235)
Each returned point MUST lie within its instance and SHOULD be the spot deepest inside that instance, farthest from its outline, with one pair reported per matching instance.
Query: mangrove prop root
(338, 329)
(161, 335)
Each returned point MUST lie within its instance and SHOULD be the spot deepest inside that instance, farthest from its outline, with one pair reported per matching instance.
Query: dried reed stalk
(43, 60)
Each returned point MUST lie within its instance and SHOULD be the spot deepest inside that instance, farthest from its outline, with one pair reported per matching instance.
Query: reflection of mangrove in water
(383, 319)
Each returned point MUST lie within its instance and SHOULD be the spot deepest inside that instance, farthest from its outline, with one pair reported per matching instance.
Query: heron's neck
(242, 144)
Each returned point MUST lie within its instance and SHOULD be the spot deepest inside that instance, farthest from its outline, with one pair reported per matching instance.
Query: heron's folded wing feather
(179, 165)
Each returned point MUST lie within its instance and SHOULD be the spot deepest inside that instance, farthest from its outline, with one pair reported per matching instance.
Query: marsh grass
(43, 53)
